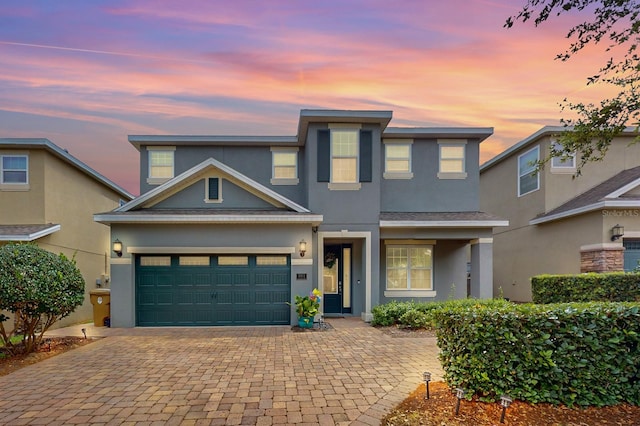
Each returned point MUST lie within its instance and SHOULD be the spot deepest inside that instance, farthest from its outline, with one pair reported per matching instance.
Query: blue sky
(85, 74)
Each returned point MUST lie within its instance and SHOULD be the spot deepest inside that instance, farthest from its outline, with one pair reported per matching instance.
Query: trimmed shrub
(609, 287)
(573, 354)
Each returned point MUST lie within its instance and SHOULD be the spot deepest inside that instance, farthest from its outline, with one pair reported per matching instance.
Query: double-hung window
(452, 159)
(161, 164)
(284, 168)
(409, 270)
(345, 156)
(528, 177)
(14, 169)
(397, 159)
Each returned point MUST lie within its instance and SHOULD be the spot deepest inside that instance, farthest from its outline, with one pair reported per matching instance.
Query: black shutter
(366, 154)
(213, 189)
(324, 155)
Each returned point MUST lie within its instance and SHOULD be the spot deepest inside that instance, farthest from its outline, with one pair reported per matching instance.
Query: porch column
(482, 268)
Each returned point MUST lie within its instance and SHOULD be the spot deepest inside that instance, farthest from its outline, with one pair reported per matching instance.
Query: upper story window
(213, 190)
(344, 156)
(15, 169)
(284, 168)
(161, 164)
(452, 159)
(397, 159)
(563, 164)
(528, 177)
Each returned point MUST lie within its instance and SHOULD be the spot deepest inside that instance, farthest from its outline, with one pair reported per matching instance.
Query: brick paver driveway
(351, 374)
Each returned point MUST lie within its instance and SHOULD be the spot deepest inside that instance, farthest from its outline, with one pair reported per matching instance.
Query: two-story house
(228, 229)
(47, 196)
(559, 223)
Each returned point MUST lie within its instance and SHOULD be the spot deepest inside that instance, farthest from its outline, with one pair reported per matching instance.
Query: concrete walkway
(351, 374)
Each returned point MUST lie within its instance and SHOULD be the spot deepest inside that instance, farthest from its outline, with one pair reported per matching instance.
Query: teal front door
(192, 290)
(336, 279)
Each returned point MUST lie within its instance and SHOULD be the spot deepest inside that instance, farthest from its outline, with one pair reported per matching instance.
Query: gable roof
(47, 145)
(613, 192)
(139, 209)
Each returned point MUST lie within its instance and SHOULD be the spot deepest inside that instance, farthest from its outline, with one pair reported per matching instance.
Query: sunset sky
(85, 74)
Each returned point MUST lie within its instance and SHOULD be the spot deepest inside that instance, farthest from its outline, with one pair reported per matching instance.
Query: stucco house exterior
(228, 229)
(559, 223)
(47, 196)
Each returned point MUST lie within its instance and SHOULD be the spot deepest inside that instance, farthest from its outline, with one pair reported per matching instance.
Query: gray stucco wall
(233, 197)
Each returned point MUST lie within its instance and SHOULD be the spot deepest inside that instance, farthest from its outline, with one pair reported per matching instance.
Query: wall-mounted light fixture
(303, 247)
(617, 232)
(117, 247)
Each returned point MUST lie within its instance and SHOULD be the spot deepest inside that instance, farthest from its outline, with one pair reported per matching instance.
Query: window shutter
(213, 189)
(324, 155)
(366, 154)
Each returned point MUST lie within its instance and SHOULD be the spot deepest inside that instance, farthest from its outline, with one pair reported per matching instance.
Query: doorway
(336, 279)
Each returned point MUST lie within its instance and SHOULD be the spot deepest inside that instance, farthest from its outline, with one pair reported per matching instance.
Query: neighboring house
(228, 229)
(559, 223)
(47, 196)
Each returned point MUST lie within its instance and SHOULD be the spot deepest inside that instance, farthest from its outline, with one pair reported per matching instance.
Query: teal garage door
(631, 254)
(200, 290)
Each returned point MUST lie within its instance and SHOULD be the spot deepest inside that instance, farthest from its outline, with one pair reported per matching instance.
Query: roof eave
(443, 223)
(108, 218)
(308, 116)
(479, 133)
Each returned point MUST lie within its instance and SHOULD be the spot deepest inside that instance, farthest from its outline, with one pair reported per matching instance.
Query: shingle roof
(26, 232)
(441, 219)
(598, 194)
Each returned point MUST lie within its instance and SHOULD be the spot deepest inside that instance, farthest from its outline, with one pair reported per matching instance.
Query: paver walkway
(352, 374)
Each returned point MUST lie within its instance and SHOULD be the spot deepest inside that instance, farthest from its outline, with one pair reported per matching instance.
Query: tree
(616, 23)
(39, 288)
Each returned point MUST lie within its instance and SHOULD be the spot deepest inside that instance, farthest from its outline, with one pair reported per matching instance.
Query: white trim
(366, 315)
(15, 184)
(232, 175)
(210, 250)
(586, 209)
(481, 241)
(537, 147)
(31, 237)
(281, 181)
(302, 262)
(452, 175)
(624, 189)
(602, 246)
(208, 200)
(452, 143)
(397, 175)
(284, 181)
(153, 180)
(442, 223)
(411, 242)
(557, 169)
(409, 293)
(204, 218)
(15, 187)
(121, 260)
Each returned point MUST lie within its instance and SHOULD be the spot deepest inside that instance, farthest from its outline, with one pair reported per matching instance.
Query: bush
(609, 287)
(573, 354)
(39, 288)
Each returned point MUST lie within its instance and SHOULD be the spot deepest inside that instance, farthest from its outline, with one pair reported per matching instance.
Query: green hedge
(574, 354)
(609, 287)
(420, 314)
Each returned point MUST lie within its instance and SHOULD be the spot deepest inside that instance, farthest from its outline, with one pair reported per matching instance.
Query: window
(14, 169)
(233, 260)
(161, 164)
(284, 166)
(528, 178)
(271, 260)
(452, 160)
(397, 159)
(193, 261)
(155, 261)
(566, 163)
(344, 156)
(409, 267)
(213, 190)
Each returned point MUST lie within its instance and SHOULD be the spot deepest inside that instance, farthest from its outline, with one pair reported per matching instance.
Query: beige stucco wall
(61, 194)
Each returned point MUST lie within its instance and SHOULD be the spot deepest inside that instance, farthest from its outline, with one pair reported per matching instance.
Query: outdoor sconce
(617, 232)
(117, 247)
(459, 394)
(505, 401)
(303, 248)
(427, 378)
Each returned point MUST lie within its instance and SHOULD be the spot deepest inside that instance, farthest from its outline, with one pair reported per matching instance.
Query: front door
(336, 282)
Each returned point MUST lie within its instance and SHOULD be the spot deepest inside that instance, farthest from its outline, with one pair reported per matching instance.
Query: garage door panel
(184, 294)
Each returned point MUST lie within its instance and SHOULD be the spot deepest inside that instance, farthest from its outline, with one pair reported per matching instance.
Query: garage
(212, 290)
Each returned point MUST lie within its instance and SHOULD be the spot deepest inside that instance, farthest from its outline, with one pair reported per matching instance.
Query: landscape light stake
(459, 395)
(427, 378)
(84, 331)
(505, 401)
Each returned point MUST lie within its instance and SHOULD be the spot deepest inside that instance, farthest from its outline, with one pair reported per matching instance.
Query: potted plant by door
(307, 307)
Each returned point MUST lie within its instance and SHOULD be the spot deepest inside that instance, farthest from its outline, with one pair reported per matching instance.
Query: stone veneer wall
(602, 260)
